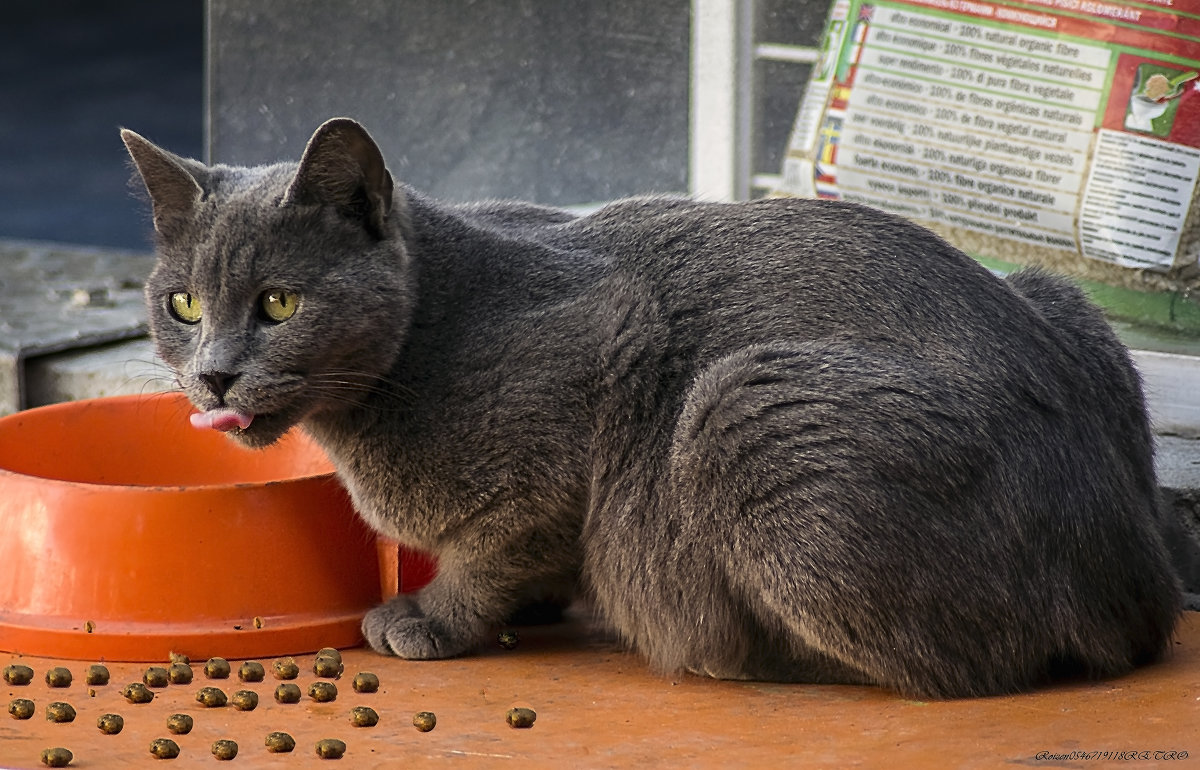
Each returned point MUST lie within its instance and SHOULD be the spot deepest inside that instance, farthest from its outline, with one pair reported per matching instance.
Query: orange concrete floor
(600, 707)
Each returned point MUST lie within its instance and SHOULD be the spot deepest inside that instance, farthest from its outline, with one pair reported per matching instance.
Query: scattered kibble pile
(156, 676)
(287, 693)
(217, 668)
(211, 697)
(110, 724)
(97, 676)
(225, 749)
(251, 671)
(164, 748)
(180, 673)
(364, 716)
(285, 669)
(244, 700)
(520, 717)
(57, 757)
(180, 724)
(59, 711)
(366, 682)
(322, 692)
(280, 743)
(327, 665)
(137, 693)
(18, 675)
(21, 708)
(331, 748)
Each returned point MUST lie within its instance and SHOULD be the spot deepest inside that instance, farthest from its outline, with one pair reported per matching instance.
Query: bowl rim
(295, 433)
(160, 488)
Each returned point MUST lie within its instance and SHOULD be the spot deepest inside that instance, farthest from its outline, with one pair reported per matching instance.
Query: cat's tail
(1110, 377)
(1112, 388)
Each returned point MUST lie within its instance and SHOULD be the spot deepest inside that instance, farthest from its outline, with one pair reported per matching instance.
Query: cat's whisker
(155, 377)
(355, 382)
(354, 397)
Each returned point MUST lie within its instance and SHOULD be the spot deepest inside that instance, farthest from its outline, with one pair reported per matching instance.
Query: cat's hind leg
(838, 494)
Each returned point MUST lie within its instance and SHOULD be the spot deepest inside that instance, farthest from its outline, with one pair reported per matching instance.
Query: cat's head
(280, 292)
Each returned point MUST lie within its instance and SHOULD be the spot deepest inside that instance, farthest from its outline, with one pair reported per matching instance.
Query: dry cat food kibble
(244, 700)
(424, 721)
(285, 669)
(211, 697)
(366, 682)
(251, 671)
(224, 749)
(520, 717)
(330, 652)
(180, 724)
(59, 677)
(322, 692)
(508, 639)
(57, 757)
(328, 666)
(21, 708)
(156, 676)
(96, 675)
(179, 657)
(280, 743)
(60, 712)
(17, 674)
(217, 668)
(137, 693)
(287, 693)
(363, 716)
(164, 748)
(180, 673)
(110, 724)
(330, 748)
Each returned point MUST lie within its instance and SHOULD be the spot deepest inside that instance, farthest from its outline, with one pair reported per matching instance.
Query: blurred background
(71, 73)
(563, 103)
(569, 104)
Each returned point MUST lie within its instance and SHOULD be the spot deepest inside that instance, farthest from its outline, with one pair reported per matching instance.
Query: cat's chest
(411, 478)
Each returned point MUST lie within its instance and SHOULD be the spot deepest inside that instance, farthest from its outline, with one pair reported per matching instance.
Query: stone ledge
(115, 369)
(58, 297)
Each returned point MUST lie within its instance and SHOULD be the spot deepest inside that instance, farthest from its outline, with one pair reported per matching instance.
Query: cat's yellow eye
(185, 307)
(279, 305)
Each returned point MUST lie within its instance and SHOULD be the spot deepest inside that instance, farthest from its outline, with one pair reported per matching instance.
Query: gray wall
(558, 102)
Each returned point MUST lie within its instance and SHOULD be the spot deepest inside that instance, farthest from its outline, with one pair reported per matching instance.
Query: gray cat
(791, 440)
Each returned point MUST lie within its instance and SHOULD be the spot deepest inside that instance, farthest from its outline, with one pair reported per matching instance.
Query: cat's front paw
(399, 628)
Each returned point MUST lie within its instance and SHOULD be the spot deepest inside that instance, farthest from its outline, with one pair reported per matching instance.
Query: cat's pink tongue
(224, 419)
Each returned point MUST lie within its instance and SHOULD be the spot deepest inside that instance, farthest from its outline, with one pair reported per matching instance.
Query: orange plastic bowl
(126, 534)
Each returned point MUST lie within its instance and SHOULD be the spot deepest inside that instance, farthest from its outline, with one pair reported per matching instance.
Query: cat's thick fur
(786, 439)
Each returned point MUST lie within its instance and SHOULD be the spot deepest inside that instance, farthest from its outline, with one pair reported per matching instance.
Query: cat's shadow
(550, 628)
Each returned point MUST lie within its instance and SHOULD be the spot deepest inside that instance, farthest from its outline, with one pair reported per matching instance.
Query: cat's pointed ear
(343, 167)
(173, 182)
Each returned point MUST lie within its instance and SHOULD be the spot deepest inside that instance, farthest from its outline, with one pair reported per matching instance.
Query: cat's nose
(218, 382)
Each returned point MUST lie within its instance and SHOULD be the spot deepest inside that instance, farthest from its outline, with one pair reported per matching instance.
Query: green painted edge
(1171, 311)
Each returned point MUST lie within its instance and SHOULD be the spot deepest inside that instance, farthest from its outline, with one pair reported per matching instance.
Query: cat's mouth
(223, 419)
(266, 429)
